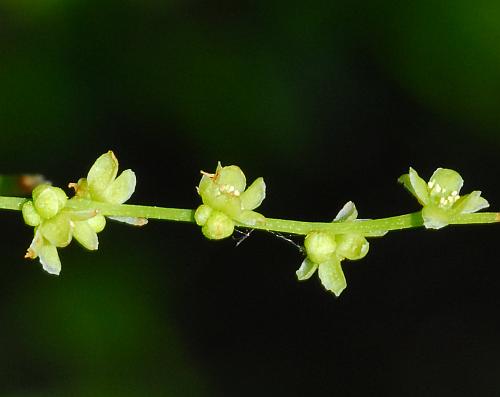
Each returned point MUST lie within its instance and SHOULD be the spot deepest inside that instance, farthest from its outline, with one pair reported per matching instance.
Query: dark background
(328, 100)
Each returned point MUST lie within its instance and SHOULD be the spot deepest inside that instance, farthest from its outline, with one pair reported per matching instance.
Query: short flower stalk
(228, 203)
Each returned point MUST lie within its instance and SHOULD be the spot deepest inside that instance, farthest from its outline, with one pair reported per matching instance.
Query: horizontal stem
(369, 227)
(11, 203)
(372, 227)
(134, 211)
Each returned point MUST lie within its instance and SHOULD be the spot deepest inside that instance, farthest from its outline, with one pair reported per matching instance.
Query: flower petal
(57, 230)
(419, 187)
(415, 185)
(254, 195)
(332, 277)
(435, 217)
(122, 188)
(251, 218)
(130, 220)
(347, 213)
(49, 258)
(444, 180)
(85, 235)
(231, 176)
(306, 269)
(229, 204)
(98, 223)
(101, 174)
(471, 202)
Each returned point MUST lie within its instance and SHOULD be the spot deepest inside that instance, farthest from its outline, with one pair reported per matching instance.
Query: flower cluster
(440, 196)
(326, 250)
(56, 225)
(227, 203)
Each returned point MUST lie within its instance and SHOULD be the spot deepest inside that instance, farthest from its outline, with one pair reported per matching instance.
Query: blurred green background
(328, 100)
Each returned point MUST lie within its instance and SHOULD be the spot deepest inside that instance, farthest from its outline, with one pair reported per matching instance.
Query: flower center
(440, 194)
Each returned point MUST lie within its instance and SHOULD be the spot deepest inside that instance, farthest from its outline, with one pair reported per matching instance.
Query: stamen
(207, 174)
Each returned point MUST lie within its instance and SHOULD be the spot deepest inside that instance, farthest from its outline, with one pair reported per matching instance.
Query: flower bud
(48, 200)
(30, 216)
(218, 226)
(202, 214)
(320, 246)
(352, 246)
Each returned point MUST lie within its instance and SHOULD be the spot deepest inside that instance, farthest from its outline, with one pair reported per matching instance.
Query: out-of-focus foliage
(447, 53)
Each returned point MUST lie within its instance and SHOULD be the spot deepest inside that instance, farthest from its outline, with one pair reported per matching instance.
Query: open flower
(56, 225)
(326, 250)
(227, 201)
(440, 196)
(103, 185)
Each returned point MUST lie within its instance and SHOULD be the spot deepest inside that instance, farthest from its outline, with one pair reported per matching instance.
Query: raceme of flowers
(227, 202)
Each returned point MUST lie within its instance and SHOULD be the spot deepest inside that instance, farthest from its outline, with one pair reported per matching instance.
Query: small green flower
(103, 185)
(227, 202)
(440, 196)
(326, 250)
(56, 226)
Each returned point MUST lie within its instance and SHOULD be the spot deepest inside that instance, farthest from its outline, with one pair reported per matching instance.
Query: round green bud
(320, 246)
(202, 214)
(48, 200)
(30, 215)
(218, 226)
(352, 246)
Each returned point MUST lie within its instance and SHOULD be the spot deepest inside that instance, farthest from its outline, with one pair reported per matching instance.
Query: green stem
(11, 203)
(373, 227)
